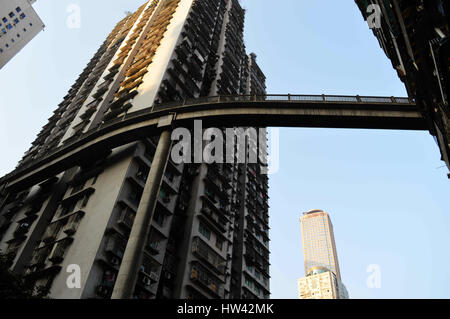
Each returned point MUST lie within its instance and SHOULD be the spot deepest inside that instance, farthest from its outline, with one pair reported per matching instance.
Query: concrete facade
(19, 24)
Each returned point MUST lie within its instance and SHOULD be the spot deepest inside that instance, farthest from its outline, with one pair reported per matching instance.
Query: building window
(22, 16)
(11, 14)
(18, 9)
(4, 20)
(16, 20)
(204, 231)
(159, 218)
(219, 244)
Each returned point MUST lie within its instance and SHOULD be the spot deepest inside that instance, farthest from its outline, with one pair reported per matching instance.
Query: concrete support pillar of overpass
(132, 259)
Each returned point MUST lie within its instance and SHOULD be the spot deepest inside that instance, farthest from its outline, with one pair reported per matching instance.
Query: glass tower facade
(322, 274)
(319, 247)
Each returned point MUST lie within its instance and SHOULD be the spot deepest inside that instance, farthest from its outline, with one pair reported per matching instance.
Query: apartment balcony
(88, 113)
(113, 113)
(52, 232)
(126, 217)
(218, 221)
(146, 281)
(220, 175)
(112, 73)
(116, 246)
(166, 199)
(172, 176)
(250, 257)
(73, 223)
(142, 175)
(206, 280)
(59, 250)
(76, 196)
(121, 100)
(153, 247)
(212, 203)
(149, 273)
(134, 196)
(208, 255)
(111, 262)
(40, 256)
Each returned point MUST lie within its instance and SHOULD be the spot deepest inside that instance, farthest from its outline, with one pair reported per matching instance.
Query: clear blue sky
(386, 191)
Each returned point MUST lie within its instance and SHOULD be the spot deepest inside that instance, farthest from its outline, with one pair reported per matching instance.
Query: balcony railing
(116, 246)
(59, 251)
(126, 217)
(201, 276)
(206, 253)
(73, 223)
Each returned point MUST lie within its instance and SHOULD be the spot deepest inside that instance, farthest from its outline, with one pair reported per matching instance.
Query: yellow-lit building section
(319, 247)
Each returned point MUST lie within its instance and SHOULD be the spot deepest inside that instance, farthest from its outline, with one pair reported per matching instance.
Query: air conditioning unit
(57, 254)
(146, 281)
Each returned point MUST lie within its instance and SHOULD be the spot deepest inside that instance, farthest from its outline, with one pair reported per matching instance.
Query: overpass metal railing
(226, 99)
(287, 98)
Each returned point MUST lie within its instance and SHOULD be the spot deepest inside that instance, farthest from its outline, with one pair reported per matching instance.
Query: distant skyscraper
(19, 24)
(323, 277)
(321, 283)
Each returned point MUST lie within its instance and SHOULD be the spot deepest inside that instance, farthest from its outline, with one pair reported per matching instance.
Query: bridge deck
(225, 111)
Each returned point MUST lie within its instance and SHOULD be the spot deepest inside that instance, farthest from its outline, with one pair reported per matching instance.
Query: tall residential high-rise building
(415, 36)
(323, 276)
(209, 235)
(19, 24)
